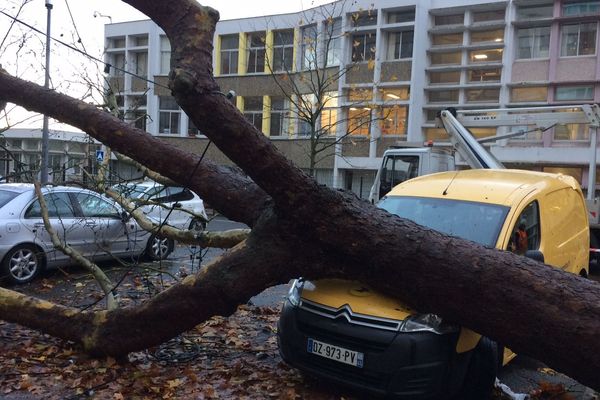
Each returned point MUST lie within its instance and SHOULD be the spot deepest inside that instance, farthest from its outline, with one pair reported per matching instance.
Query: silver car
(90, 223)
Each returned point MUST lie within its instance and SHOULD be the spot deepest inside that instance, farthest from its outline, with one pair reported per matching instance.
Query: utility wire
(107, 65)
(12, 24)
(75, 26)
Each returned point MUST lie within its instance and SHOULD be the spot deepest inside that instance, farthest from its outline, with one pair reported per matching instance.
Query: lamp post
(44, 170)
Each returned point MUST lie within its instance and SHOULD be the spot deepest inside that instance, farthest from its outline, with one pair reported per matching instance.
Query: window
(59, 206)
(363, 47)
(359, 120)
(394, 94)
(253, 110)
(118, 62)
(484, 16)
(395, 170)
(117, 43)
(329, 113)
(450, 77)
(400, 45)
(139, 41)
(578, 39)
(493, 36)
(229, 54)
(535, 12)
(401, 16)
(364, 18)
(537, 93)
(482, 95)
(484, 75)
(360, 95)
(279, 116)
(333, 30)
(309, 47)
(453, 19)
(533, 42)
(139, 119)
(572, 132)
(572, 8)
(165, 55)
(452, 58)
(485, 56)
(256, 52)
(393, 120)
(447, 39)
(94, 206)
(569, 93)
(283, 50)
(529, 225)
(169, 115)
(141, 64)
(443, 96)
(306, 114)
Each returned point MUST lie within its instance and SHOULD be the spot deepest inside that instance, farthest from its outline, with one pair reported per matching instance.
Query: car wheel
(481, 372)
(197, 225)
(22, 263)
(159, 248)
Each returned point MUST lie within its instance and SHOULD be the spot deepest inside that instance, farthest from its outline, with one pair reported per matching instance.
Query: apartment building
(390, 66)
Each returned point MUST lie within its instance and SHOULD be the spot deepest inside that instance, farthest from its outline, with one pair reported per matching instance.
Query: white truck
(400, 164)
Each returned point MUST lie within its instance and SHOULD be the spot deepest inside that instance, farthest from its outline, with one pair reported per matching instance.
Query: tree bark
(301, 228)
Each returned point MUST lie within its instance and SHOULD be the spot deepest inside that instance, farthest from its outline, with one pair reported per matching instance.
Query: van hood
(337, 293)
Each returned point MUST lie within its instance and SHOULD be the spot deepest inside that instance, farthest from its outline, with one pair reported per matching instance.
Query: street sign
(99, 155)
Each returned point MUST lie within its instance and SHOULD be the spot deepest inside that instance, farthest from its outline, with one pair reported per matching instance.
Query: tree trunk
(301, 228)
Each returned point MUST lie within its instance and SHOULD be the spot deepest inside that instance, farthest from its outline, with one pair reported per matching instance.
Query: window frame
(256, 51)
(398, 48)
(231, 54)
(564, 50)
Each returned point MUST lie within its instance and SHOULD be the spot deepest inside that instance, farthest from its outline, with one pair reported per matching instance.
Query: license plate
(335, 353)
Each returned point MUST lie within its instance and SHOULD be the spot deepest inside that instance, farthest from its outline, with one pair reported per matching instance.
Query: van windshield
(478, 222)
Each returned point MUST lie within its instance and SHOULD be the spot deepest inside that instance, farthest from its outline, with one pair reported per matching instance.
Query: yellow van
(345, 332)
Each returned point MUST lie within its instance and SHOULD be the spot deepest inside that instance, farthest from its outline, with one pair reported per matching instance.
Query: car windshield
(478, 222)
(6, 196)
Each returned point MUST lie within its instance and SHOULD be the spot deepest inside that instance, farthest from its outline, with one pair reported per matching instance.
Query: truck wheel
(481, 372)
(22, 264)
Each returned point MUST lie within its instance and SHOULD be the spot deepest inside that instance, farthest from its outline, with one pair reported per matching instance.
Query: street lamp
(44, 171)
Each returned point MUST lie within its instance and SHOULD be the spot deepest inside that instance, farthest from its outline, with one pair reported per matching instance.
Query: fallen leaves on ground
(232, 357)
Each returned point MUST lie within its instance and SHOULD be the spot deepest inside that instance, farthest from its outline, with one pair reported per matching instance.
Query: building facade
(70, 155)
(394, 65)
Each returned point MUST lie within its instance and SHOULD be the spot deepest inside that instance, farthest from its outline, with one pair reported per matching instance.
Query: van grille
(353, 318)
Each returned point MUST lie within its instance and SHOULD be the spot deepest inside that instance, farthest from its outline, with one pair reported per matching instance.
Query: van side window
(526, 232)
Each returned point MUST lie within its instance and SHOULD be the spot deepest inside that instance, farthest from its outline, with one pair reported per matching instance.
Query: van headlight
(295, 292)
(427, 323)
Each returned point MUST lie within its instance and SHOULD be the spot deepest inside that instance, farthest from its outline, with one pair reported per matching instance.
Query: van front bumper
(419, 365)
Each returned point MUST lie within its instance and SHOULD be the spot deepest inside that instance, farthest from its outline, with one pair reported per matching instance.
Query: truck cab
(401, 164)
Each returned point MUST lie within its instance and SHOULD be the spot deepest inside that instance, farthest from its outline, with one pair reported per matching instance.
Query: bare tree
(309, 100)
(302, 229)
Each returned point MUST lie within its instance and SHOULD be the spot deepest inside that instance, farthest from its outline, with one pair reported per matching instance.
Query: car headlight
(295, 292)
(427, 323)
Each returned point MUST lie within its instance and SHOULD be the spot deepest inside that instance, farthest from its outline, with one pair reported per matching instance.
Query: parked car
(346, 332)
(175, 206)
(90, 223)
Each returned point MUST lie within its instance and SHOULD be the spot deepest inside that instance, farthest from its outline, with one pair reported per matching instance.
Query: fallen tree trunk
(308, 230)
